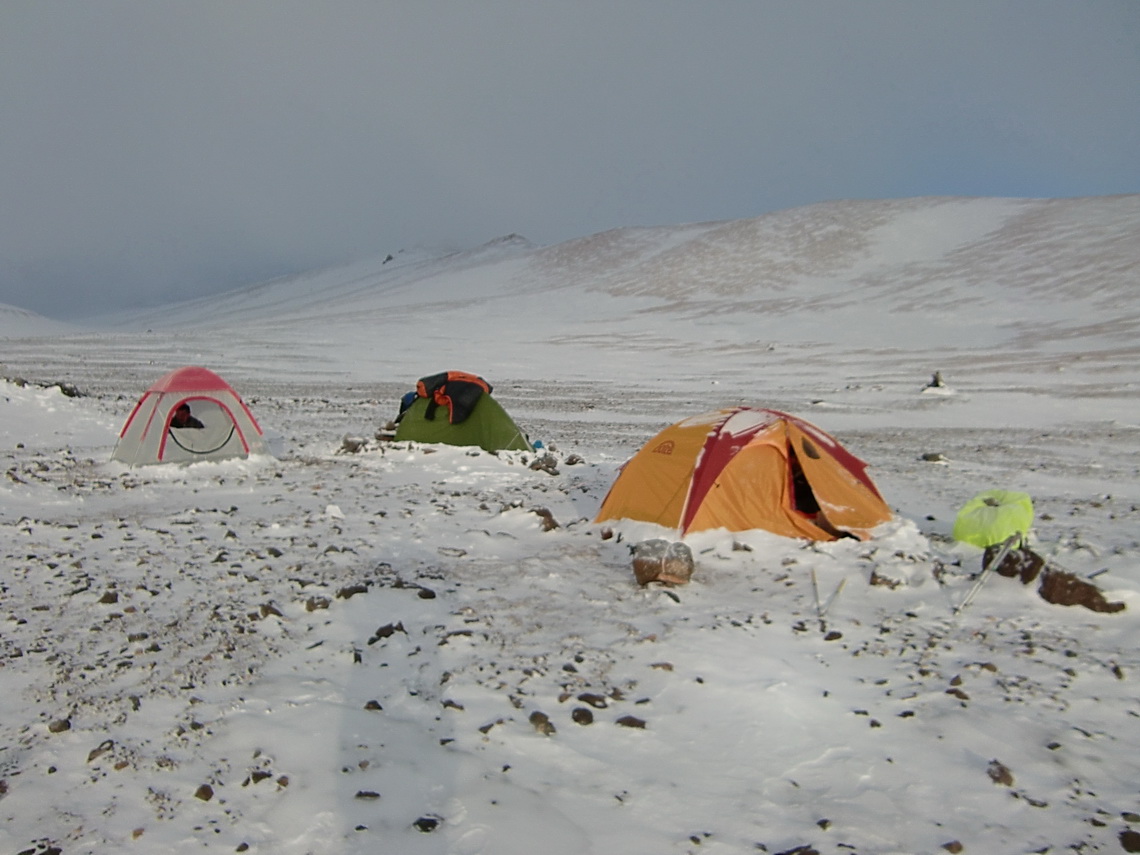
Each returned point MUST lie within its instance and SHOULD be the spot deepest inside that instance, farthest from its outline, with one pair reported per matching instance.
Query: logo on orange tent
(665, 448)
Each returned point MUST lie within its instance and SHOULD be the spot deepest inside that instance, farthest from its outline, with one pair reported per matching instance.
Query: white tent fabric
(228, 428)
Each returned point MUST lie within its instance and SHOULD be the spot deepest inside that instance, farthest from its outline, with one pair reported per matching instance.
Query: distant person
(183, 418)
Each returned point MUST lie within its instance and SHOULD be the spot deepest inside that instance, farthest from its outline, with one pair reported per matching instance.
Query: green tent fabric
(488, 427)
(992, 516)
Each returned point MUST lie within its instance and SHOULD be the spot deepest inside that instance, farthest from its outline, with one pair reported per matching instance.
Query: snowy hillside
(20, 322)
(968, 286)
(414, 649)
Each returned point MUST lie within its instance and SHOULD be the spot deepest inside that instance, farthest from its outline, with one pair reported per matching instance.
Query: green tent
(488, 426)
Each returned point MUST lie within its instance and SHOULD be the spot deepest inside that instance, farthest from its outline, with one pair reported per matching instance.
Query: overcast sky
(153, 150)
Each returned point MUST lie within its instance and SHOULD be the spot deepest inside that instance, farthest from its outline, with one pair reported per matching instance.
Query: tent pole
(1006, 546)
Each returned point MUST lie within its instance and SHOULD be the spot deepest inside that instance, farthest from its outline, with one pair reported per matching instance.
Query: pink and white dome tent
(223, 427)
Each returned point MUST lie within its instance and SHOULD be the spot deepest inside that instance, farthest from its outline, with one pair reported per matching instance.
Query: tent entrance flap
(201, 441)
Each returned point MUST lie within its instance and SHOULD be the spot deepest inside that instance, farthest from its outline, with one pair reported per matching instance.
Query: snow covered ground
(433, 650)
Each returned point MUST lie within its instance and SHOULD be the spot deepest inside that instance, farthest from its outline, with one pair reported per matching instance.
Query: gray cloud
(157, 149)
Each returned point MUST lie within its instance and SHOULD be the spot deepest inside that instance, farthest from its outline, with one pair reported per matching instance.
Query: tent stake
(832, 598)
(815, 590)
(821, 610)
(1006, 546)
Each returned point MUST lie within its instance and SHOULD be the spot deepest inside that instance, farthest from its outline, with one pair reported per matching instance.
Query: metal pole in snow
(1006, 546)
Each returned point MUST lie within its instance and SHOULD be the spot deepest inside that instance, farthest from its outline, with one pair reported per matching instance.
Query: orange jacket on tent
(737, 469)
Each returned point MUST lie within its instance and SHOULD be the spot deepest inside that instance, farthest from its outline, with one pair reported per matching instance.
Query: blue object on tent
(408, 399)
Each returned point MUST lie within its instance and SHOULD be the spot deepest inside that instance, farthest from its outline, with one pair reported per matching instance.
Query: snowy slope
(1041, 286)
(20, 322)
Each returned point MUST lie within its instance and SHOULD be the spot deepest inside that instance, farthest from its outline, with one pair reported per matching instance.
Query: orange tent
(747, 468)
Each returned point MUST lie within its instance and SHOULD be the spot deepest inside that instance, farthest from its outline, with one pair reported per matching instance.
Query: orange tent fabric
(736, 469)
